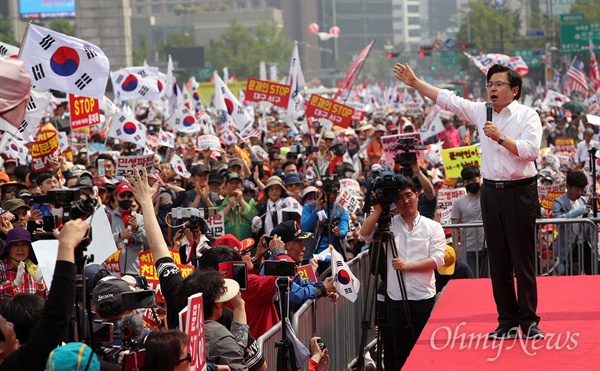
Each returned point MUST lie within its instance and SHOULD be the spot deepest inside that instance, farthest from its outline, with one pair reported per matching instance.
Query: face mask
(247, 198)
(125, 204)
(311, 202)
(473, 187)
(348, 174)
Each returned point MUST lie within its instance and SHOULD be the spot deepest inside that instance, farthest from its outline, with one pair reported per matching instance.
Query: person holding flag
(420, 249)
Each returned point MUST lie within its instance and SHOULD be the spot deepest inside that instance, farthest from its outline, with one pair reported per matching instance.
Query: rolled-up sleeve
(437, 246)
(528, 144)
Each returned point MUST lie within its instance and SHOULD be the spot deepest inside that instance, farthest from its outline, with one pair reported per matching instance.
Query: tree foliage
(139, 54)
(241, 50)
(6, 31)
(590, 8)
(63, 26)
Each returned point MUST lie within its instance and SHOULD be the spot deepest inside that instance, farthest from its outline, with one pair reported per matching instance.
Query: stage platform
(455, 337)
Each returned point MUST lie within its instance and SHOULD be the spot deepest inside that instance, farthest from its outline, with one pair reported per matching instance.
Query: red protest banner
(112, 263)
(323, 108)
(194, 327)
(84, 111)
(44, 150)
(267, 91)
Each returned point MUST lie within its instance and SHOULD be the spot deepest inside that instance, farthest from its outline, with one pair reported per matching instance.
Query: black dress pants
(509, 222)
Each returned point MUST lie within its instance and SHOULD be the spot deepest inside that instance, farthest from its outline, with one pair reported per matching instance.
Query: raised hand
(139, 186)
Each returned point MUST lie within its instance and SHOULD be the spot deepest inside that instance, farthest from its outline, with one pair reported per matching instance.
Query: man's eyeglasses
(126, 195)
(188, 358)
(11, 190)
(497, 84)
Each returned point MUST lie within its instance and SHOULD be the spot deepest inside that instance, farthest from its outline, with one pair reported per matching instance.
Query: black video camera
(386, 186)
(406, 156)
(329, 184)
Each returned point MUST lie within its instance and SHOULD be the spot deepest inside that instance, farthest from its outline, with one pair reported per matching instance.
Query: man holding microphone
(510, 135)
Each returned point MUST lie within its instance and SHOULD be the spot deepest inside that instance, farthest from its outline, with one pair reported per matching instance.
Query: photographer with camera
(420, 248)
(47, 334)
(326, 218)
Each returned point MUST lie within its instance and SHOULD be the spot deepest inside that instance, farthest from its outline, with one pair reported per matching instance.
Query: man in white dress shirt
(510, 143)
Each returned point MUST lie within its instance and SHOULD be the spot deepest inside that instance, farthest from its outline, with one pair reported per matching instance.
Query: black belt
(504, 184)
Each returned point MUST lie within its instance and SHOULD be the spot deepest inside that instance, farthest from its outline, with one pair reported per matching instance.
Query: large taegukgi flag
(64, 63)
(135, 83)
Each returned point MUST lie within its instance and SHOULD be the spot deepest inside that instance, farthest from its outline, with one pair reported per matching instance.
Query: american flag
(594, 72)
(576, 77)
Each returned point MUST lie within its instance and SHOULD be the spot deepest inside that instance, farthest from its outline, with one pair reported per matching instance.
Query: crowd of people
(273, 193)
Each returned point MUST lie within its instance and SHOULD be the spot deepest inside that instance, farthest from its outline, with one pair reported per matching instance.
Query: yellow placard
(457, 158)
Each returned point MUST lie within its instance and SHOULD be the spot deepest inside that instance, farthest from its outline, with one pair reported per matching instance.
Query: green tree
(242, 50)
(591, 9)
(492, 30)
(139, 54)
(63, 26)
(6, 31)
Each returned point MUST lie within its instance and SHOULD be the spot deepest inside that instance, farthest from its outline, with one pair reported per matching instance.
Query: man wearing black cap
(200, 196)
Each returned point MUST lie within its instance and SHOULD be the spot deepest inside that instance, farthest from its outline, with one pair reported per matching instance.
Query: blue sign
(47, 9)
(535, 33)
(450, 44)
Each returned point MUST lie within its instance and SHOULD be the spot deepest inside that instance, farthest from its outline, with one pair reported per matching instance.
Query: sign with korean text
(457, 158)
(359, 110)
(307, 272)
(84, 111)
(566, 145)
(44, 150)
(349, 196)
(267, 91)
(194, 327)
(208, 140)
(126, 164)
(323, 108)
(446, 197)
(575, 38)
(216, 225)
(390, 145)
(572, 18)
(112, 263)
(547, 195)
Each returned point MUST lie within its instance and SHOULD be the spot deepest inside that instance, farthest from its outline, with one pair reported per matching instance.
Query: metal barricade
(563, 246)
(338, 324)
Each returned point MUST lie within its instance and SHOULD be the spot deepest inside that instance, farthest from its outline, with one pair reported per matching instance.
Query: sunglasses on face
(188, 358)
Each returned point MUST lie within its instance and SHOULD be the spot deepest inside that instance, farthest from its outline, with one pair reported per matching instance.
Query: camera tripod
(383, 239)
(285, 350)
(592, 152)
(332, 240)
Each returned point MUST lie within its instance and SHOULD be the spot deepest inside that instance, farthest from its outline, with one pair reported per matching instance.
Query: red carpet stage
(455, 337)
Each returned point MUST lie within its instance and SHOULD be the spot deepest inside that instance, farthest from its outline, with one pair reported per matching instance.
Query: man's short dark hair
(24, 311)
(211, 258)
(288, 163)
(21, 172)
(106, 157)
(470, 172)
(514, 79)
(576, 178)
(43, 176)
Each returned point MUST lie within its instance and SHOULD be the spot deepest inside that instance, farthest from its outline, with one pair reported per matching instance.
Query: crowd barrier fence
(339, 324)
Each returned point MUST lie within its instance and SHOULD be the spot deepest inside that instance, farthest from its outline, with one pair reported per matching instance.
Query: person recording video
(420, 248)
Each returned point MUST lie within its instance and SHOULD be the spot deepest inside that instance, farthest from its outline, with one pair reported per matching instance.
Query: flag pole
(24, 37)
(359, 70)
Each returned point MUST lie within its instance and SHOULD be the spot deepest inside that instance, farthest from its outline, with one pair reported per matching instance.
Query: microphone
(488, 110)
(129, 228)
(131, 327)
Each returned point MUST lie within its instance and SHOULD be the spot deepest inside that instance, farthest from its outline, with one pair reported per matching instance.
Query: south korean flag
(8, 51)
(39, 100)
(139, 83)
(14, 148)
(64, 63)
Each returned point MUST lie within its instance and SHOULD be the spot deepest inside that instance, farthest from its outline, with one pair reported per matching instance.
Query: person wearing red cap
(128, 230)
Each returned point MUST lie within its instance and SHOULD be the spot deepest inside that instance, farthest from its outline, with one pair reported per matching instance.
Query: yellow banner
(206, 90)
(457, 158)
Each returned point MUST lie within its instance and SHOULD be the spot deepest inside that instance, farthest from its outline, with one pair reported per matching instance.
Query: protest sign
(126, 164)
(216, 225)
(267, 91)
(112, 263)
(445, 198)
(210, 141)
(455, 159)
(547, 195)
(84, 111)
(323, 108)
(566, 145)
(307, 272)
(194, 327)
(44, 150)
